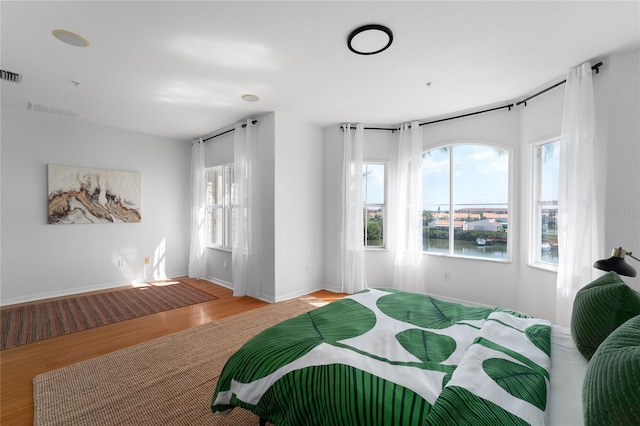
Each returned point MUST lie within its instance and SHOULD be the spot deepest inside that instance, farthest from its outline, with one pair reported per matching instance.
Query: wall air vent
(13, 77)
(53, 110)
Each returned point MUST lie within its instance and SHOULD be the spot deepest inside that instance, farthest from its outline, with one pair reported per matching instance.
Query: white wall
(492, 282)
(617, 97)
(290, 207)
(514, 284)
(299, 229)
(379, 146)
(332, 204)
(41, 260)
(620, 92)
(219, 151)
(474, 280)
(300, 168)
(266, 161)
(541, 120)
(480, 281)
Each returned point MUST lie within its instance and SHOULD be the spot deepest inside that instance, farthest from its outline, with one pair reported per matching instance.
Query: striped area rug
(31, 323)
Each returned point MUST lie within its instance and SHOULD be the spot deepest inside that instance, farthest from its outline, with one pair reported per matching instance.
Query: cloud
(433, 166)
(488, 160)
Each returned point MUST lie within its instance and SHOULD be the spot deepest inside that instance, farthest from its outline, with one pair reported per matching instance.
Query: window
(546, 162)
(466, 201)
(373, 194)
(221, 207)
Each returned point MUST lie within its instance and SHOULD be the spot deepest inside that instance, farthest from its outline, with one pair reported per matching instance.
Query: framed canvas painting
(86, 195)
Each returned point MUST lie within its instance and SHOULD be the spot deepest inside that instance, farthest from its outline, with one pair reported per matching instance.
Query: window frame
(509, 204)
(384, 206)
(227, 206)
(535, 222)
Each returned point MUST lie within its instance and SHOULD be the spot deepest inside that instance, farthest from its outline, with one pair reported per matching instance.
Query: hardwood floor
(19, 365)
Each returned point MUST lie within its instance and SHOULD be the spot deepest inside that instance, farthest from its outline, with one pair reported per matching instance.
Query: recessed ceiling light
(70, 38)
(250, 98)
(370, 39)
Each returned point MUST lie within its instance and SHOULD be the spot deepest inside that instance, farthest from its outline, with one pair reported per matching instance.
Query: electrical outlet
(120, 263)
(306, 269)
(226, 264)
(446, 276)
(147, 260)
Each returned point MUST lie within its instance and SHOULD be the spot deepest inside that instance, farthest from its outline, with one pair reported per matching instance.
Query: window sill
(549, 267)
(218, 249)
(453, 256)
(376, 249)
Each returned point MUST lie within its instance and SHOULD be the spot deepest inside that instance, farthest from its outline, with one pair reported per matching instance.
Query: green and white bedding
(386, 357)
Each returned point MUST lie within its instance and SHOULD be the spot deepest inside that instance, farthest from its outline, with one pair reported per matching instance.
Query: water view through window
(466, 192)
(373, 194)
(547, 168)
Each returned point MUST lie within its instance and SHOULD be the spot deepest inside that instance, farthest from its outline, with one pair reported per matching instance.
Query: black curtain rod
(219, 134)
(390, 129)
(380, 128)
(467, 115)
(595, 67)
(228, 131)
(442, 119)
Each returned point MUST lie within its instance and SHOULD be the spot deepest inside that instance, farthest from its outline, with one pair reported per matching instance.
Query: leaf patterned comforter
(386, 357)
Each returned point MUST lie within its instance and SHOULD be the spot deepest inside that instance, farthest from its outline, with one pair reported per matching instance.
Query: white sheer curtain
(407, 271)
(197, 260)
(245, 255)
(578, 222)
(352, 268)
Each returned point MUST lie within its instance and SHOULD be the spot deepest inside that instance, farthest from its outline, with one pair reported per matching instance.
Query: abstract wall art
(85, 195)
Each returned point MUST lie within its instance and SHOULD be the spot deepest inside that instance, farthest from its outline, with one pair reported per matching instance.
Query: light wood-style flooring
(19, 365)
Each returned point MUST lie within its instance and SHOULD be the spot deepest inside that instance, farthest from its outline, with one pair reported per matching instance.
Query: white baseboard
(75, 291)
(229, 285)
(61, 293)
(331, 288)
(220, 282)
(460, 301)
(223, 283)
(280, 298)
(337, 289)
(298, 293)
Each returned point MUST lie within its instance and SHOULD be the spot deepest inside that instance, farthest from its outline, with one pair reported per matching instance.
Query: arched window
(466, 201)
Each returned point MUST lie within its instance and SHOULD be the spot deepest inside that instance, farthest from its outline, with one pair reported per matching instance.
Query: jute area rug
(166, 381)
(39, 321)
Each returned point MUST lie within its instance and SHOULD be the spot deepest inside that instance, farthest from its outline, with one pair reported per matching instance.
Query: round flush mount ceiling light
(370, 39)
(250, 98)
(70, 38)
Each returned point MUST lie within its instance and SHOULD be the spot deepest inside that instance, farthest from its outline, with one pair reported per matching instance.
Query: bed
(387, 357)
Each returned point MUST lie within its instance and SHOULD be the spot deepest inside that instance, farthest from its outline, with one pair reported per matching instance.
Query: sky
(373, 183)
(480, 177)
(550, 171)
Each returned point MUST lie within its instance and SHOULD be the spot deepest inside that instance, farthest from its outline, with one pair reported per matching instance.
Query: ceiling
(178, 69)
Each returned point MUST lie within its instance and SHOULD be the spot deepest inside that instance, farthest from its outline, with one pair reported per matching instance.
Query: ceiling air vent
(13, 77)
(53, 110)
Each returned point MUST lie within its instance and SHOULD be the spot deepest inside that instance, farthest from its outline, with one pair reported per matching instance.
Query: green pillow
(599, 308)
(611, 388)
